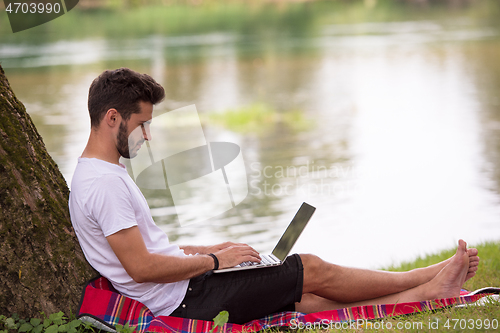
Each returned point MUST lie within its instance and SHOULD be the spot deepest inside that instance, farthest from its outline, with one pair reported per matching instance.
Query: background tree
(42, 267)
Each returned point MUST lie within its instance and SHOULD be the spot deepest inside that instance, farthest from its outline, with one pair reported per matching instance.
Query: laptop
(285, 244)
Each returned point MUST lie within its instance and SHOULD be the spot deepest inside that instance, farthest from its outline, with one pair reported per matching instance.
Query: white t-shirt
(105, 200)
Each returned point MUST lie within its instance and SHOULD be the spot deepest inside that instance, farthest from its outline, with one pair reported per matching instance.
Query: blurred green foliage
(136, 18)
(258, 118)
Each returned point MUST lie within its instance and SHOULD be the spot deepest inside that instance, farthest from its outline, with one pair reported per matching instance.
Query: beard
(125, 148)
(122, 145)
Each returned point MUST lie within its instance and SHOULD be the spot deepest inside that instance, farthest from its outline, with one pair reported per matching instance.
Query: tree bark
(42, 267)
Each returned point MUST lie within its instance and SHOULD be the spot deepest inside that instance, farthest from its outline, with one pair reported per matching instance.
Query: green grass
(449, 320)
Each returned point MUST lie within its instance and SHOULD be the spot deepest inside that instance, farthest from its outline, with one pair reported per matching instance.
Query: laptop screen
(293, 231)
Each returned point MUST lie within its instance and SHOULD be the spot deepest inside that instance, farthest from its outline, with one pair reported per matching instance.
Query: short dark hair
(121, 89)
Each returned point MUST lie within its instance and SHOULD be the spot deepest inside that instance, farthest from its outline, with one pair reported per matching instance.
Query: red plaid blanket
(101, 303)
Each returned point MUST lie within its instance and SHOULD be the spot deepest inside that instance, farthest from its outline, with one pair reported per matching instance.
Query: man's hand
(229, 254)
(235, 254)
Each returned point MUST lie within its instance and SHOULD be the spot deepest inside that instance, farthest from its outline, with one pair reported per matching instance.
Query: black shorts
(246, 295)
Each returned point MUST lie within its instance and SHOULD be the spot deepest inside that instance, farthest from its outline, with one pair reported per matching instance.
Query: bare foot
(473, 263)
(431, 271)
(448, 282)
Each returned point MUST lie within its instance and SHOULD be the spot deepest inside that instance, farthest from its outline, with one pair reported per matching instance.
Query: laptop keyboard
(265, 260)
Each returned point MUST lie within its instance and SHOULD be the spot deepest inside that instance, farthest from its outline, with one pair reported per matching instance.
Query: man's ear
(112, 118)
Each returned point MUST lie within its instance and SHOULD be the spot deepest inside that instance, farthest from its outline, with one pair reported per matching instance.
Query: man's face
(133, 133)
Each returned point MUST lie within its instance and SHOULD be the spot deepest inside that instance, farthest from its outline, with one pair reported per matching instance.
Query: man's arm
(143, 266)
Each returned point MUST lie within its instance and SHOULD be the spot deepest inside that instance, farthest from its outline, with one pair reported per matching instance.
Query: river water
(394, 132)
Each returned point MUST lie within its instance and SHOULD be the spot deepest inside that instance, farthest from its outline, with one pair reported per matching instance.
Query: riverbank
(117, 19)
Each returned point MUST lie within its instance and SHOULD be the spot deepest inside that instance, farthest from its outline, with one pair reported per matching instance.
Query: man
(120, 240)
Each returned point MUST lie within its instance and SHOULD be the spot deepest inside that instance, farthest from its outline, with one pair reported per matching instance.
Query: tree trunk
(42, 267)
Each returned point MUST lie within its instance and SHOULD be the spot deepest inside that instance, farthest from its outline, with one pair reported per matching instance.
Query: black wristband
(216, 261)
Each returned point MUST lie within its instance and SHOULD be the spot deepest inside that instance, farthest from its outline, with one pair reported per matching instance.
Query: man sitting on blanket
(121, 241)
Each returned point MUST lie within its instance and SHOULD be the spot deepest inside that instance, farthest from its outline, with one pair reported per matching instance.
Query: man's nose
(146, 132)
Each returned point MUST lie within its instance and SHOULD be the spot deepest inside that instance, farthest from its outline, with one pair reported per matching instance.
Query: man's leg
(328, 286)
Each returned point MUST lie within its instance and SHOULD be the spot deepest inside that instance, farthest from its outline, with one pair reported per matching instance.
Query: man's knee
(313, 266)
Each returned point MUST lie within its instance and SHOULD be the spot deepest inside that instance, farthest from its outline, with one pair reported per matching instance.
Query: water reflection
(400, 151)
(486, 80)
